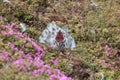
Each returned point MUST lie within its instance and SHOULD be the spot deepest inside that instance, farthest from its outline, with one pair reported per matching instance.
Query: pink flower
(38, 63)
(28, 39)
(107, 52)
(20, 74)
(10, 32)
(27, 61)
(101, 47)
(29, 58)
(19, 61)
(41, 71)
(65, 78)
(38, 72)
(107, 47)
(9, 26)
(54, 61)
(47, 67)
(3, 32)
(37, 58)
(48, 72)
(38, 49)
(12, 46)
(54, 77)
(21, 65)
(103, 61)
(57, 77)
(20, 34)
(57, 72)
(5, 56)
(38, 54)
(35, 72)
(22, 52)
(16, 49)
(61, 53)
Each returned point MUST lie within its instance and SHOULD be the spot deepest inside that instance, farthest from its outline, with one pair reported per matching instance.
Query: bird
(57, 37)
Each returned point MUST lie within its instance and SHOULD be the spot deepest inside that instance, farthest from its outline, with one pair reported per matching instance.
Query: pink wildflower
(54, 77)
(107, 52)
(107, 47)
(101, 48)
(41, 70)
(61, 53)
(29, 58)
(38, 49)
(19, 61)
(5, 56)
(12, 46)
(35, 72)
(3, 32)
(48, 72)
(103, 61)
(21, 65)
(20, 34)
(54, 61)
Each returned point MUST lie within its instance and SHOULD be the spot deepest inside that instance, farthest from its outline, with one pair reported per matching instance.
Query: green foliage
(91, 28)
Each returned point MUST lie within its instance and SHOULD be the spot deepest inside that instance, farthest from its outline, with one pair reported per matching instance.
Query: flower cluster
(110, 59)
(31, 62)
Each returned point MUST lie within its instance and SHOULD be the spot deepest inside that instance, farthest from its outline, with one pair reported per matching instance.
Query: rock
(57, 37)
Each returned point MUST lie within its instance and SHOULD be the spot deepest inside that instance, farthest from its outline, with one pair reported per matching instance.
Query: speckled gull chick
(57, 37)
